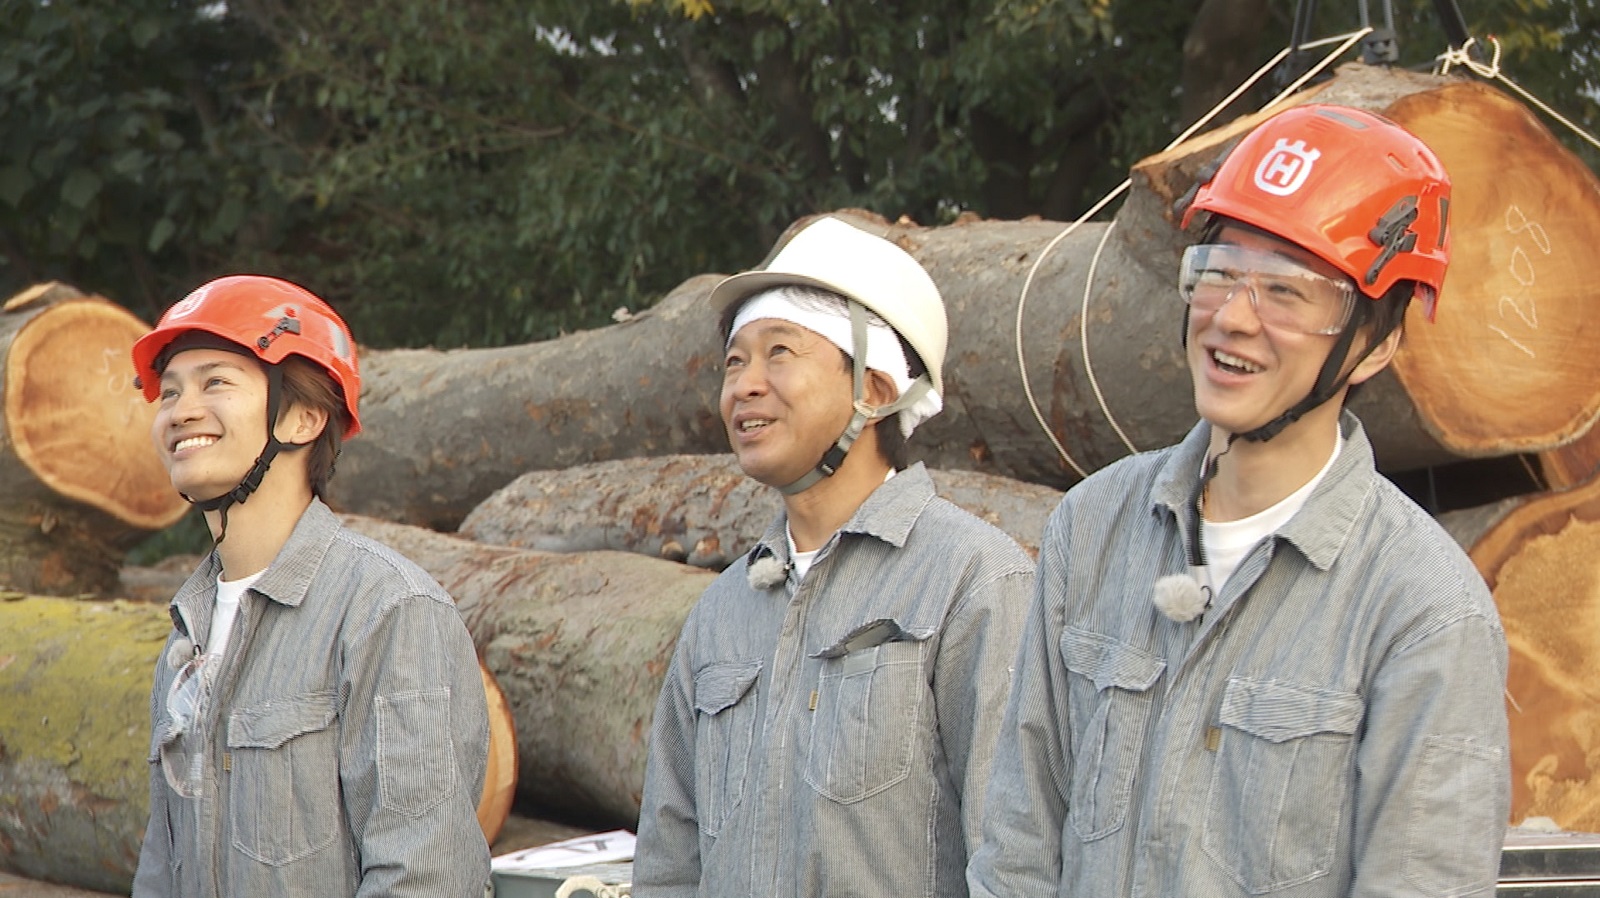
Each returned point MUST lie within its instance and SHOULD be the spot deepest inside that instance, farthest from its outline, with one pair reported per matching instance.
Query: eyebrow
(205, 367)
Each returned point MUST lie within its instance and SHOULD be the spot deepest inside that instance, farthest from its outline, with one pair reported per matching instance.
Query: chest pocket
(283, 799)
(725, 726)
(1280, 787)
(864, 728)
(1109, 712)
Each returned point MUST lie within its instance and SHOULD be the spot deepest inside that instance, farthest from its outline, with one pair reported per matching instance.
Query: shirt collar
(286, 580)
(1320, 529)
(888, 514)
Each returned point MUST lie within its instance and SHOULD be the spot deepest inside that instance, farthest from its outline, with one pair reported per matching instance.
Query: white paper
(596, 848)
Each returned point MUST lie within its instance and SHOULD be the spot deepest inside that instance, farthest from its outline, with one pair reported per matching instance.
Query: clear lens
(1285, 294)
(182, 749)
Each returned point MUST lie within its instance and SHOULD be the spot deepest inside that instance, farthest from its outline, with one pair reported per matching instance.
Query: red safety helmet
(269, 317)
(1352, 187)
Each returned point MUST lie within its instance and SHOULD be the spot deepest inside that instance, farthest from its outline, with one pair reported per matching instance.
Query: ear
(880, 389)
(1378, 359)
(301, 424)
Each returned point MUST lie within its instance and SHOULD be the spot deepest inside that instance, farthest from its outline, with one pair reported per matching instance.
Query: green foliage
(116, 169)
(477, 172)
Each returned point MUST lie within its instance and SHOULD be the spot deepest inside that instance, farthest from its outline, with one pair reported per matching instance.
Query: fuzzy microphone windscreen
(766, 572)
(1180, 598)
(180, 652)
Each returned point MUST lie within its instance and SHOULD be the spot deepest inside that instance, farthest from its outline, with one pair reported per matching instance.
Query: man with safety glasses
(1252, 665)
(318, 720)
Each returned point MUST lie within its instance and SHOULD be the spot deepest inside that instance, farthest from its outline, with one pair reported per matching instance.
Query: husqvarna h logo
(1285, 169)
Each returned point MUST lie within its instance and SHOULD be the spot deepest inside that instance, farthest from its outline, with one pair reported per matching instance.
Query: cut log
(698, 509)
(75, 731)
(500, 775)
(79, 478)
(1542, 560)
(580, 644)
(1576, 462)
(1505, 370)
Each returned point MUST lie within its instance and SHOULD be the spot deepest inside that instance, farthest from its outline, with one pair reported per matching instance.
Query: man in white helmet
(827, 724)
(1254, 667)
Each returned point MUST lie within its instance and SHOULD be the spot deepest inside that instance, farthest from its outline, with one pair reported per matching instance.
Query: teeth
(192, 442)
(754, 423)
(1229, 360)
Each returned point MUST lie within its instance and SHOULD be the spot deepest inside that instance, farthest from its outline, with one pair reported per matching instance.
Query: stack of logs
(570, 494)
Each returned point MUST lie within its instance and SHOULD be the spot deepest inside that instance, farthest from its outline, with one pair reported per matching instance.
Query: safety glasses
(1285, 294)
(182, 748)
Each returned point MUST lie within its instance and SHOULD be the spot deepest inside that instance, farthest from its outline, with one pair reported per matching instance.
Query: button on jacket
(835, 738)
(349, 735)
(1333, 726)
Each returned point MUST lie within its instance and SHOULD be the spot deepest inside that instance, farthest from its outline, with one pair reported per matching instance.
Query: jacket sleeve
(667, 855)
(414, 748)
(153, 878)
(1026, 805)
(971, 683)
(1433, 793)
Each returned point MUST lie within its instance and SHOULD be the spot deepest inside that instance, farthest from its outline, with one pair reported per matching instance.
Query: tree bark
(75, 734)
(78, 475)
(445, 429)
(698, 509)
(580, 644)
(1541, 557)
(1217, 56)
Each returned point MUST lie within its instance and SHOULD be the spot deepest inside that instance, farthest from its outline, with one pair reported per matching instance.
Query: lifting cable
(1461, 56)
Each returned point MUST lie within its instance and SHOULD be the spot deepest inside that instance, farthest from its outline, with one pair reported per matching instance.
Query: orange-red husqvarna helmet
(1352, 187)
(269, 317)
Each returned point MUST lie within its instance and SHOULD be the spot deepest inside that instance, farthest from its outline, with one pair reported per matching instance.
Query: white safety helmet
(874, 275)
(836, 256)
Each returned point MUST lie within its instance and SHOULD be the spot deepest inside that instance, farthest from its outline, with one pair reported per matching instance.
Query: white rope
(1491, 71)
(1083, 339)
(1348, 41)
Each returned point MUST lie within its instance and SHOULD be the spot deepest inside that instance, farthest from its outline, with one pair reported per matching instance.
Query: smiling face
(786, 397)
(210, 424)
(1247, 373)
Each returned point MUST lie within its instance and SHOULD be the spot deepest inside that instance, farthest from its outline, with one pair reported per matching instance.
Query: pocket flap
(1279, 711)
(718, 687)
(1109, 663)
(273, 723)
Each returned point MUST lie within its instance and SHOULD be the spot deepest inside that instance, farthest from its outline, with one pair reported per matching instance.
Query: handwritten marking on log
(1516, 315)
(1523, 305)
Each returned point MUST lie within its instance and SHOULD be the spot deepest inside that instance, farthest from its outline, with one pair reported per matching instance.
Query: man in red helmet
(318, 722)
(1253, 666)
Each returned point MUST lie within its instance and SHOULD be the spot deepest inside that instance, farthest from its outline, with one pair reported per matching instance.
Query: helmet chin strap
(833, 459)
(1329, 380)
(258, 471)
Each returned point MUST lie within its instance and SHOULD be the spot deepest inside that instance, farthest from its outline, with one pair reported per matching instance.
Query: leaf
(81, 188)
(160, 234)
(14, 184)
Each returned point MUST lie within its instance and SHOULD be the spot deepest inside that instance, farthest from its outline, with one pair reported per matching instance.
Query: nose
(184, 407)
(1234, 316)
(746, 380)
